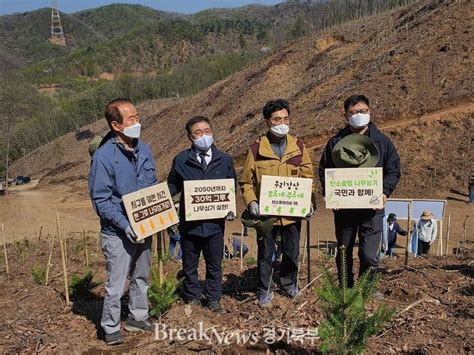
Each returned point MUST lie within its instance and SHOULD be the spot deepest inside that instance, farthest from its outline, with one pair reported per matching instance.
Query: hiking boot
(194, 302)
(215, 306)
(292, 292)
(139, 326)
(114, 338)
(265, 299)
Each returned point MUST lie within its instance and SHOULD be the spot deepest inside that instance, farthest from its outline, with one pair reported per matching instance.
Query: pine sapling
(347, 324)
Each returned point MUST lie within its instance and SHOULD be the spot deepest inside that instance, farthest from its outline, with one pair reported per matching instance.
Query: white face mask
(203, 143)
(281, 130)
(133, 131)
(359, 120)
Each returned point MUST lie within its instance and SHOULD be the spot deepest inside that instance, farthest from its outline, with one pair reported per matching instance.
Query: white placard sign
(285, 196)
(209, 199)
(354, 188)
(150, 210)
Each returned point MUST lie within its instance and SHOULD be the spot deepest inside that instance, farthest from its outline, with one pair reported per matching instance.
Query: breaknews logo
(211, 335)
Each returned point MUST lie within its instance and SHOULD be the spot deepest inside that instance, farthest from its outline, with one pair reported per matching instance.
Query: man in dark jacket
(202, 161)
(367, 223)
(393, 229)
(121, 165)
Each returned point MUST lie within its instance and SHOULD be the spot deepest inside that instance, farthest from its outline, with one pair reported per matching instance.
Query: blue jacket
(186, 167)
(389, 160)
(115, 172)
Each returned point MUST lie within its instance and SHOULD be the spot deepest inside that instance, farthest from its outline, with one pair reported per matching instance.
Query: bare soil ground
(433, 298)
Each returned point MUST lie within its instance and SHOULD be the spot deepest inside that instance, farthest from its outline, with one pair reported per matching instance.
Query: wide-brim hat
(355, 150)
(426, 215)
(262, 224)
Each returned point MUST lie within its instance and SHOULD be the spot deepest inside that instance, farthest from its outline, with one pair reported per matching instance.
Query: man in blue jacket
(366, 223)
(123, 164)
(393, 230)
(202, 161)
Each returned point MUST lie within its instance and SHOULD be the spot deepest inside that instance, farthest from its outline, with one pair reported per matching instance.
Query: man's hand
(432, 242)
(384, 198)
(130, 234)
(230, 216)
(253, 209)
(311, 213)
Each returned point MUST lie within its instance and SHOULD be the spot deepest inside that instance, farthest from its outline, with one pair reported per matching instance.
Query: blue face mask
(203, 143)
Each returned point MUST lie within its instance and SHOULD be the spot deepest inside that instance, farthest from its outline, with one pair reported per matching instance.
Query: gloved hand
(230, 216)
(311, 213)
(253, 209)
(130, 234)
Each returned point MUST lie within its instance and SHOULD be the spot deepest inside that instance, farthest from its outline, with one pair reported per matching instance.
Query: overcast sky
(183, 6)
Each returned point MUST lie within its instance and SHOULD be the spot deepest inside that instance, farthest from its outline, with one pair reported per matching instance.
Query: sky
(183, 6)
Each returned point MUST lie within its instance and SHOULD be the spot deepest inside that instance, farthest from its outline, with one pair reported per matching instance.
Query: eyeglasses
(354, 112)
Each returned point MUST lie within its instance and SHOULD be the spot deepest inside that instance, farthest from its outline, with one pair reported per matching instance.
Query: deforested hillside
(415, 64)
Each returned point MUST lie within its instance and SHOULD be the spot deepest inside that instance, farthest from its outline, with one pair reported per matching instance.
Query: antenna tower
(57, 33)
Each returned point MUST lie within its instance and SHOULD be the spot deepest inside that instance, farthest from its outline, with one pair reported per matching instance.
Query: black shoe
(114, 338)
(139, 326)
(215, 306)
(194, 302)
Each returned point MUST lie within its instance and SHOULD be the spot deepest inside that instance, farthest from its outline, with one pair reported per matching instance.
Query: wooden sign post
(150, 210)
(63, 258)
(447, 234)
(354, 188)
(408, 234)
(285, 196)
(48, 266)
(7, 269)
(209, 199)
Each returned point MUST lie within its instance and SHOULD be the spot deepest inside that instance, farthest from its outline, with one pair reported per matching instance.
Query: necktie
(203, 161)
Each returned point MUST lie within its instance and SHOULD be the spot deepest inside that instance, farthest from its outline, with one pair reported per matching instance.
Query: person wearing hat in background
(202, 161)
(393, 230)
(426, 230)
(360, 144)
(276, 153)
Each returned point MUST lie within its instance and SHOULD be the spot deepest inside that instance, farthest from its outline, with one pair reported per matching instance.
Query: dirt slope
(415, 64)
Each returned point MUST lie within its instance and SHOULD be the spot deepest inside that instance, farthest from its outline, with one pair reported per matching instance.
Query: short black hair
(196, 119)
(112, 112)
(354, 100)
(275, 105)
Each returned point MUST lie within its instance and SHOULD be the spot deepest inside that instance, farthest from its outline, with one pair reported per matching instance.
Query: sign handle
(242, 248)
(160, 256)
(308, 247)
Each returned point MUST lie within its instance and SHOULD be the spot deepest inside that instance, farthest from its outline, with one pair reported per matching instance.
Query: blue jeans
(175, 239)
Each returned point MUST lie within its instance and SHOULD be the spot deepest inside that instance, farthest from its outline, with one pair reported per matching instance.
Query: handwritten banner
(285, 196)
(150, 210)
(209, 199)
(354, 188)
